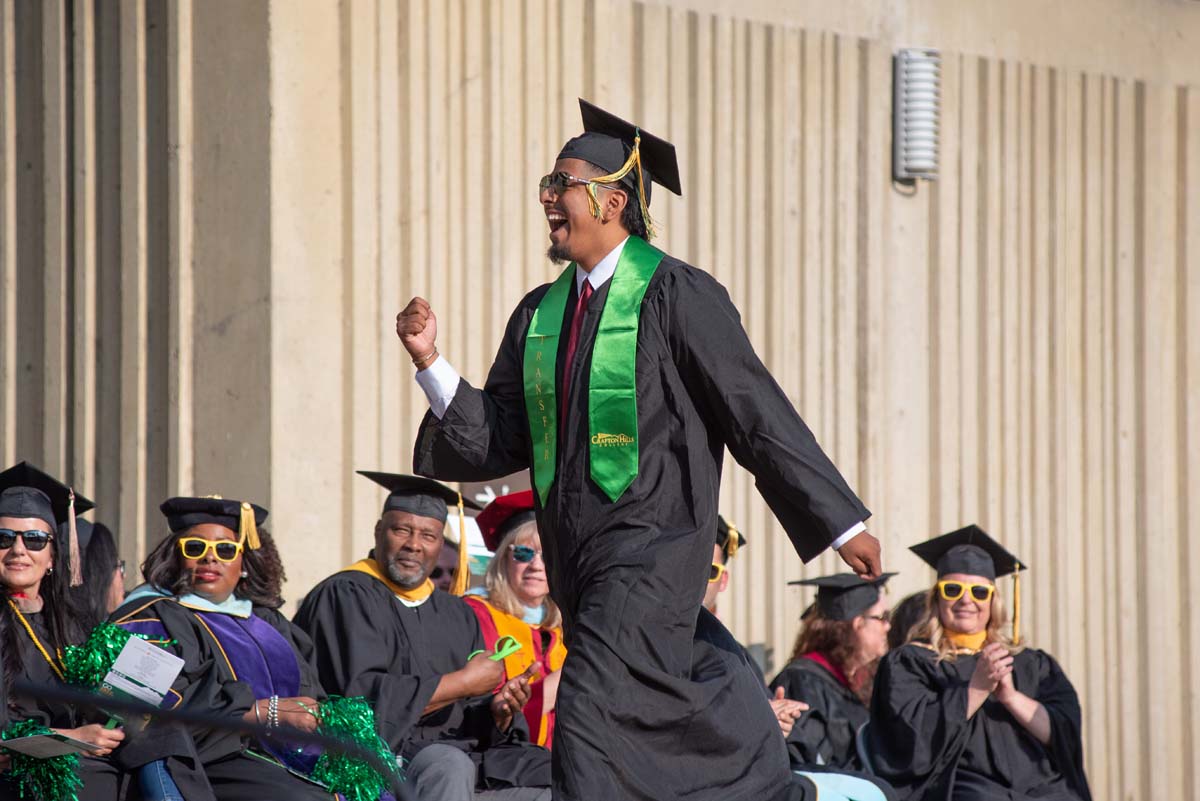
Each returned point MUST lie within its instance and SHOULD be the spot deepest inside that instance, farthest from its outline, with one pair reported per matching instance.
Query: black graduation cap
(241, 516)
(26, 491)
(416, 495)
(729, 539)
(845, 596)
(968, 550)
(626, 153)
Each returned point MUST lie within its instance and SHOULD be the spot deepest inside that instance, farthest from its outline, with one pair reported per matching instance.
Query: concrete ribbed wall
(211, 212)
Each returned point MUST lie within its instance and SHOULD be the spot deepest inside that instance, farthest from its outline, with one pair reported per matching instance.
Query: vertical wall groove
(1015, 345)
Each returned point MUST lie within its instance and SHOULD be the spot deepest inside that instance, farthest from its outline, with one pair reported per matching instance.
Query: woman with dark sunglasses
(965, 712)
(39, 619)
(518, 605)
(842, 636)
(213, 590)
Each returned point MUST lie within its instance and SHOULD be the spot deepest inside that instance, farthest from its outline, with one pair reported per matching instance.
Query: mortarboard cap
(504, 514)
(968, 550)
(241, 517)
(423, 497)
(845, 596)
(626, 153)
(26, 491)
(728, 544)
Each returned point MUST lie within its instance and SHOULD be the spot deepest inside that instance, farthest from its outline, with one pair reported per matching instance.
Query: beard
(558, 254)
(409, 580)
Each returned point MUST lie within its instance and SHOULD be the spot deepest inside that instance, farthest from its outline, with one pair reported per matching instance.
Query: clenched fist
(417, 328)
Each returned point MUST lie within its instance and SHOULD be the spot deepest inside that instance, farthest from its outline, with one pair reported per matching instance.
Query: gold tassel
(73, 555)
(1017, 605)
(247, 528)
(462, 577)
(731, 543)
(634, 161)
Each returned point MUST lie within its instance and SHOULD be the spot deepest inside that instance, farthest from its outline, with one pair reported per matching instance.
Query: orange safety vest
(495, 625)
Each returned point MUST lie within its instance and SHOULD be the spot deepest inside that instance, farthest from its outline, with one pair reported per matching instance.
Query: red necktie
(573, 341)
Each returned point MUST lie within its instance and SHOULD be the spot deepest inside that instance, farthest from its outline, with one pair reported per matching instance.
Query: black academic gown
(368, 643)
(825, 733)
(207, 686)
(922, 742)
(644, 709)
(102, 778)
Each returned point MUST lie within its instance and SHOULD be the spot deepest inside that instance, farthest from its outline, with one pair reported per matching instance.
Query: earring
(244, 574)
(50, 569)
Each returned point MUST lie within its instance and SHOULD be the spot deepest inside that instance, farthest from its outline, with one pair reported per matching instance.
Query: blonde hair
(931, 631)
(500, 593)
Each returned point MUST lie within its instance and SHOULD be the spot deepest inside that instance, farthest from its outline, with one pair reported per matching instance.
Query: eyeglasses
(197, 548)
(523, 553)
(34, 540)
(715, 572)
(953, 590)
(438, 572)
(121, 566)
(559, 182)
(886, 617)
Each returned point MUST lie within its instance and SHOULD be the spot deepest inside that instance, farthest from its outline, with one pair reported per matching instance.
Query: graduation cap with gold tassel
(26, 491)
(425, 497)
(241, 517)
(971, 551)
(729, 539)
(629, 156)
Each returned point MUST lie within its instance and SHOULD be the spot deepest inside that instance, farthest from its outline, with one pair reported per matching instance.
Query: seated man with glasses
(381, 630)
(964, 711)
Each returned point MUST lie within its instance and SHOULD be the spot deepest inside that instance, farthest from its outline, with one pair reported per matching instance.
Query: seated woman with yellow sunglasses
(213, 591)
(964, 712)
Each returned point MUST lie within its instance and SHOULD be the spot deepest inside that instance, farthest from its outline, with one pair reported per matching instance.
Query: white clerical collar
(602, 271)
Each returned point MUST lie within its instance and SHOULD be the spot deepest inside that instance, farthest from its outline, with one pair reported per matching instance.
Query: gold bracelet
(418, 362)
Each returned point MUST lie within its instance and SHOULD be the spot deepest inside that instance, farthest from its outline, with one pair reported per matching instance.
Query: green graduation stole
(612, 393)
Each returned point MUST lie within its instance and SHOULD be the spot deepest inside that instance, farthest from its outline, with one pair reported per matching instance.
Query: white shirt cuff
(439, 381)
(850, 534)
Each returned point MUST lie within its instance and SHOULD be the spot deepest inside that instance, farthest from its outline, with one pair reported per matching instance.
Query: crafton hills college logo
(612, 440)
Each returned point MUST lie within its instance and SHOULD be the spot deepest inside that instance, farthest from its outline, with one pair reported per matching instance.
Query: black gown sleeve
(1056, 693)
(484, 433)
(808, 741)
(919, 725)
(356, 659)
(753, 416)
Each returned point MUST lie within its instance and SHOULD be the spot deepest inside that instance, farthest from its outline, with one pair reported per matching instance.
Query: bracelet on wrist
(418, 362)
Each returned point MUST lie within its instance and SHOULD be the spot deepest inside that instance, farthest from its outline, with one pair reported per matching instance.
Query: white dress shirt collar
(602, 271)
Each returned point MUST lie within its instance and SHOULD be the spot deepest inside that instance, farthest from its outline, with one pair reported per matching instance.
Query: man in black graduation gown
(381, 630)
(620, 385)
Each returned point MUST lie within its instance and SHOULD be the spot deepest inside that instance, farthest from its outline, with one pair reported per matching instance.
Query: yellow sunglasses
(197, 548)
(953, 590)
(715, 573)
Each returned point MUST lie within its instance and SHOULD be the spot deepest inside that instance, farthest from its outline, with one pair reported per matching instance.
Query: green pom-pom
(53, 779)
(86, 665)
(352, 720)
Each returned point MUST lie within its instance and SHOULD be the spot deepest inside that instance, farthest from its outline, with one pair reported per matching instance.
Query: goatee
(558, 254)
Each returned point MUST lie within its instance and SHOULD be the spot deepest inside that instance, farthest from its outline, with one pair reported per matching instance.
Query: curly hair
(837, 641)
(931, 632)
(262, 585)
